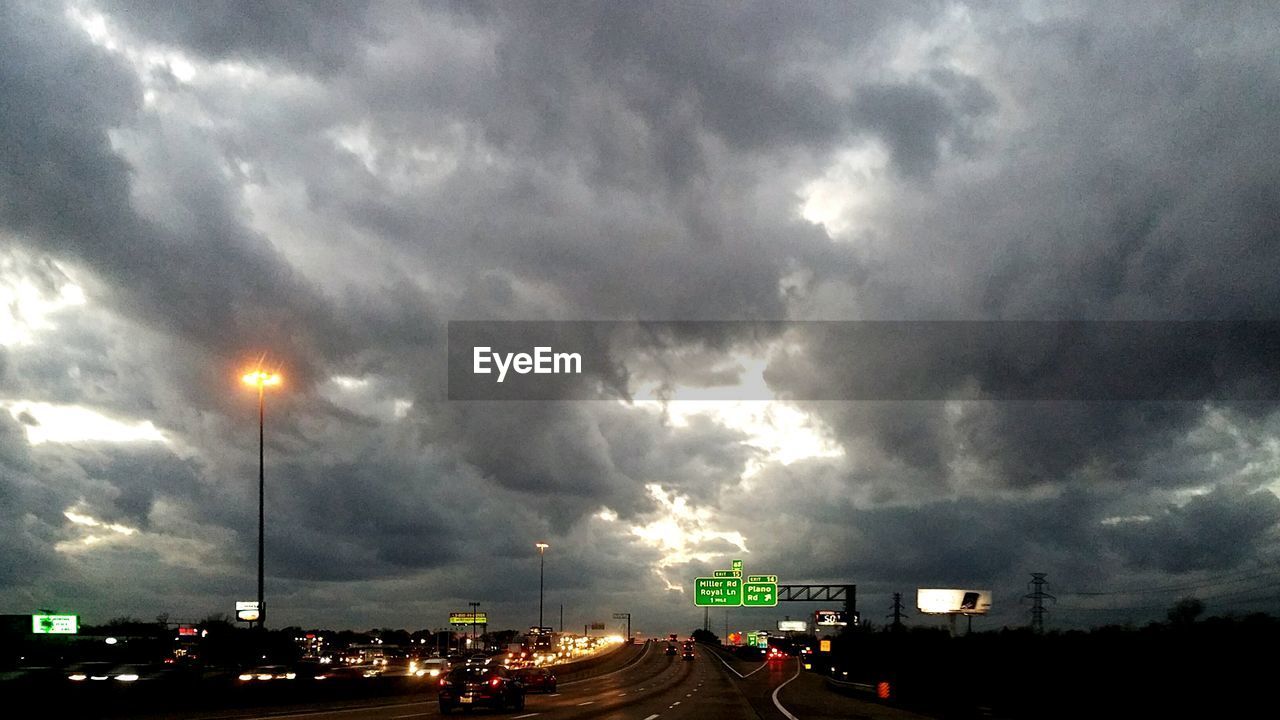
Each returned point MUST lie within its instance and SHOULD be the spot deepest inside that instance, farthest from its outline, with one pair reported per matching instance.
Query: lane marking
(735, 672)
(398, 717)
(621, 694)
(523, 716)
(589, 702)
(775, 694)
(651, 717)
(634, 661)
(362, 708)
(553, 694)
(678, 702)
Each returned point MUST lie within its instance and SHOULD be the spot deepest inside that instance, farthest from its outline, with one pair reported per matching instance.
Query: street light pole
(542, 561)
(262, 422)
(261, 379)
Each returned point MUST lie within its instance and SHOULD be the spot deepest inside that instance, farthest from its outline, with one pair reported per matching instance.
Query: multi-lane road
(635, 683)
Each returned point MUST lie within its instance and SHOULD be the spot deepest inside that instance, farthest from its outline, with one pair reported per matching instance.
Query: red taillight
(494, 682)
(444, 682)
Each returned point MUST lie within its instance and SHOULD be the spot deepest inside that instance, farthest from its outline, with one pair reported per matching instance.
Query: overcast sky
(188, 186)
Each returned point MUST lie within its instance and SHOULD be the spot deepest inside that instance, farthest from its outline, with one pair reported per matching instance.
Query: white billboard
(793, 626)
(935, 601)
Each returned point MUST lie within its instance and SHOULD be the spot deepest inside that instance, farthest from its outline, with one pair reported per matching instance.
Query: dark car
(671, 649)
(688, 654)
(491, 686)
(540, 679)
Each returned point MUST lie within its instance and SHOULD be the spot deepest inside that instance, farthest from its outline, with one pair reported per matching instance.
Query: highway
(640, 683)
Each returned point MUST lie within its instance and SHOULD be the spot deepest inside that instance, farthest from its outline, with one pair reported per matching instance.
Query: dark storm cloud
(313, 36)
(1210, 532)
(915, 119)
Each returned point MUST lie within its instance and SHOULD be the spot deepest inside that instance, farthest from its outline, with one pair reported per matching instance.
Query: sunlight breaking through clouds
(69, 424)
(682, 534)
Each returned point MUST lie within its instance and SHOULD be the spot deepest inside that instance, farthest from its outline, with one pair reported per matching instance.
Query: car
(688, 654)
(428, 667)
(775, 654)
(540, 679)
(471, 686)
(671, 649)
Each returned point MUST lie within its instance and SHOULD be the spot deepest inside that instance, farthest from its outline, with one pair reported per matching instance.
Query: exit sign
(717, 591)
(55, 624)
(760, 594)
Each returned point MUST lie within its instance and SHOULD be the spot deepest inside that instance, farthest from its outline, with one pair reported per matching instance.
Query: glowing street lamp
(261, 379)
(542, 560)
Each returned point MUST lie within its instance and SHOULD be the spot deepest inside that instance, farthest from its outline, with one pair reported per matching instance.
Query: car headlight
(78, 677)
(127, 677)
(290, 676)
(264, 676)
(246, 676)
(434, 673)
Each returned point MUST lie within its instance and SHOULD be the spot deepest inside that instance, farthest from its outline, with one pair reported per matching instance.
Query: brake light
(444, 682)
(494, 682)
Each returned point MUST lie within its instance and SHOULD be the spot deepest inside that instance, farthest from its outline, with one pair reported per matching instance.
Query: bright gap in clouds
(680, 533)
(27, 309)
(69, 424)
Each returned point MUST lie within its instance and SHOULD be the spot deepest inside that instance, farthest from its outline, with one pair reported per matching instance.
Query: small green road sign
(55, 624)
(763, 579)
(760, 594)
(717, 591)
(724, 573)
(737, 568)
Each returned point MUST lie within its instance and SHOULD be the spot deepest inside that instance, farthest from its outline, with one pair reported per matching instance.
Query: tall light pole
(542, 561)
(261, 379)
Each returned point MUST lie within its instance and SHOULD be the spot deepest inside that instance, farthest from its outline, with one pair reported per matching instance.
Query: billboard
(55, 624)
(793, 626)
(831, 618)
(936, 601)
(467, 618)
(248, 611)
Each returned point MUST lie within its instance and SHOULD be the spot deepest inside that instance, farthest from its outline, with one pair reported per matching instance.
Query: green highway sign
(760, 594)
(763, 579)
(737, 568)
(55, 624)
(717, 591)
(724, 573)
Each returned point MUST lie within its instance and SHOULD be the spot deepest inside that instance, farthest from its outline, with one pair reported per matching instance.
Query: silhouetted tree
(1185, 611)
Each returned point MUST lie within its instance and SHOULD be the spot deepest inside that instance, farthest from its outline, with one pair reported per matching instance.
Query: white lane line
(735, 672)
(363, 708)
(589, 702)
(675, 703)
(523, 716)
(398, 717)
(775, 694)
(651, 717)
(643, 651)
(688, 694)
(553, 694)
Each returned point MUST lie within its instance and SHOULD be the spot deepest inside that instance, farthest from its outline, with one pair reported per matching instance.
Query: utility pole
(897, 611)
(473, 605)
(1037, 596)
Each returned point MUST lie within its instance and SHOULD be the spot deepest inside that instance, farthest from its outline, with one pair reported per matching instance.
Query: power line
(1170, 588)
(1217, 598)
